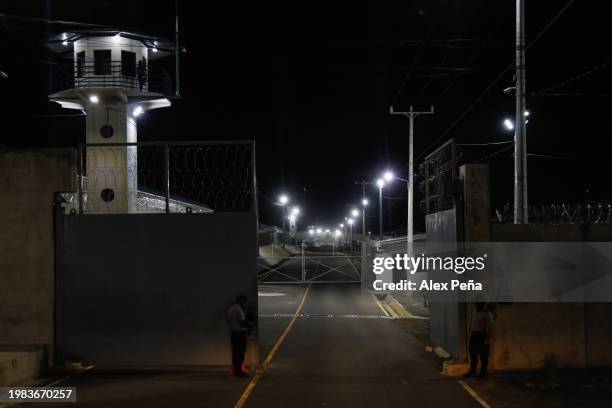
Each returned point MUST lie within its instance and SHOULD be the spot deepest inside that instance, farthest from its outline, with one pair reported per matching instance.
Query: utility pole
(177, 91)
(363, 183)
(411, 114)
(520, 133)
(380, 215)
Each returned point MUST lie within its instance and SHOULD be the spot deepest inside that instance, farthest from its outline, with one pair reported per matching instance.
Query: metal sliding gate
(306, 268)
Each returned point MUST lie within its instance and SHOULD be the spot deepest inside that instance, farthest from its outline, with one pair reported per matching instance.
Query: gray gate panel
(447, 319)
(152, 289)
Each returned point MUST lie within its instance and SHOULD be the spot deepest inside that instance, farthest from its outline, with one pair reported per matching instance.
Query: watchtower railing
(111, 74)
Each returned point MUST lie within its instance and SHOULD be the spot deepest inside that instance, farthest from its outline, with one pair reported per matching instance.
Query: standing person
(239, 328)
(481, 331)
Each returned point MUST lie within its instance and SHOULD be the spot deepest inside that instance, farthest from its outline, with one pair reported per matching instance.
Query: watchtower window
(102, 62)
(80, 63)
(128, 63)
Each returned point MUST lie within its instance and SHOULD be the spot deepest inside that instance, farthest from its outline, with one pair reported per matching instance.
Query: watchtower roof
(58, 43)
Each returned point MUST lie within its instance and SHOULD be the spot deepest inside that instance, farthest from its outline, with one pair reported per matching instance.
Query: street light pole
(520, 133)
(283, 200)
(388, 176)
(411, 114)
(350, 222)
(364, 202)
(380, 183)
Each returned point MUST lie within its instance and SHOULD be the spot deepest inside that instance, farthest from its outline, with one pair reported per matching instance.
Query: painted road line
(474, 394)
(381, 306)
(350, 316)
(51, 384)
(249, 389)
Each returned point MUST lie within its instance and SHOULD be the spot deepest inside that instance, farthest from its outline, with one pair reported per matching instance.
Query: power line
(49, 21)
(496, 80)
(548, 156)
(484, 144)
(427, 40)
(494, 154)
(440, 65)
(575, 78)
(593, 95)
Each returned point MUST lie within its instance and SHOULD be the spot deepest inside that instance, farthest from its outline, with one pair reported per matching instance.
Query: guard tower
(111, 76)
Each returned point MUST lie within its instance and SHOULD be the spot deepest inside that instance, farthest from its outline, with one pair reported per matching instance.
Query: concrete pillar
(476, 202)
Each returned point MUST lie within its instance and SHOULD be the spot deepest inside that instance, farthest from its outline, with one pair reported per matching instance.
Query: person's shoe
(468, 374)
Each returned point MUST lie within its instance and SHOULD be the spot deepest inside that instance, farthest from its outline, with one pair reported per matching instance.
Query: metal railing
(192, 176)
(111, 74)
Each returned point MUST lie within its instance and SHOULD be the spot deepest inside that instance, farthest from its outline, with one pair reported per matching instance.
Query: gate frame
(304, 280)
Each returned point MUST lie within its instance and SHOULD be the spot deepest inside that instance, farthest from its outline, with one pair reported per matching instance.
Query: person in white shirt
(239, 327)
(481, 333)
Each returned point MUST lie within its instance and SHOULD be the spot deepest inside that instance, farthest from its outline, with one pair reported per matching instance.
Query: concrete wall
(526, 332)
(152, 289)
(27, 182)
(579, 334)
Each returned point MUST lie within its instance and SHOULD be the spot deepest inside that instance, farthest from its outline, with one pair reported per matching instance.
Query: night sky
(312, 85)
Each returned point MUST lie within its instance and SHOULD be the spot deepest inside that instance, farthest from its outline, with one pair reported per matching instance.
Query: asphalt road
(341, 351)
(344, 352)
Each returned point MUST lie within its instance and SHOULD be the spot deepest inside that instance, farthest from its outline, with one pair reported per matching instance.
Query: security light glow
(354, 213)
(319, 231)
(327, 231)
(64, 43)
(508, 124)
(311, 232)
(283, 199)
(526, 113)
(138, 111)
(292, 218)
(341, 225)
(295, 210)
(94, 99)
(154, 49)
(350, 221)
(338, 233)
(380, 183)
(388, 176)
(364, 202)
